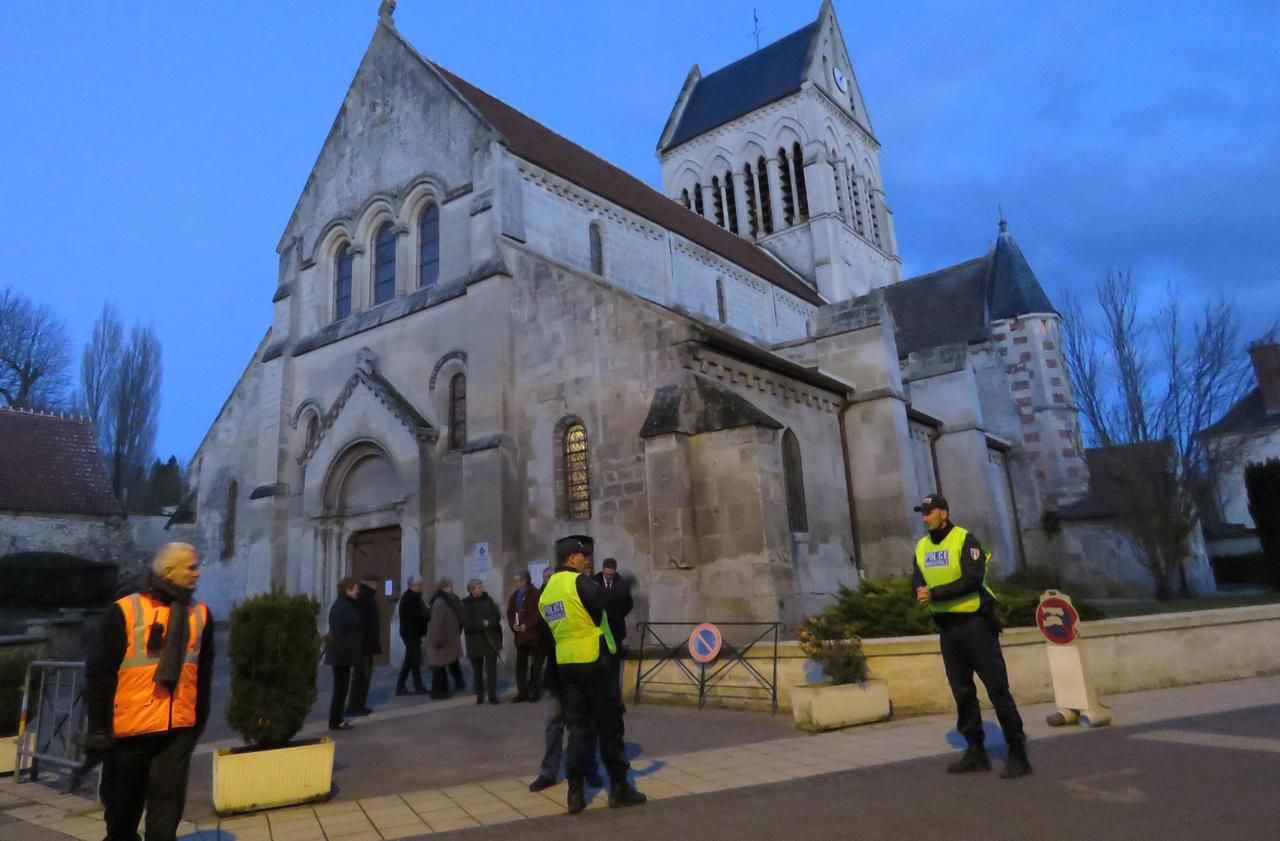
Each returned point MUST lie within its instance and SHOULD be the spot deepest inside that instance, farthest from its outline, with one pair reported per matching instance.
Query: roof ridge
(755, 53)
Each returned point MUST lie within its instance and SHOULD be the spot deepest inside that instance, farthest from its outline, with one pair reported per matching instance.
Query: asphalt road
(1210, 778)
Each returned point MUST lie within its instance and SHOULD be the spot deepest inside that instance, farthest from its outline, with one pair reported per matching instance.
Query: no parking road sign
(1058, 620)
(704, 643)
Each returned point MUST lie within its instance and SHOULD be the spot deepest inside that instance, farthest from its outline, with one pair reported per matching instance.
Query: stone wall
(105, 539)
(1122, 655)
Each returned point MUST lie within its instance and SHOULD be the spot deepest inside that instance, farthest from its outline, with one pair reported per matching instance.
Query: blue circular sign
(705, 642)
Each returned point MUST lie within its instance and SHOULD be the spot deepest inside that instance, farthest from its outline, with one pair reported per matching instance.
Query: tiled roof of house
(1248, 415)
(50, 464)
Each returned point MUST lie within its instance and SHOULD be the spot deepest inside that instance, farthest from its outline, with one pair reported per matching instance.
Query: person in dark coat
(523, 619)
(482, 623)
(444, 648)
(413, 626)
(371, 641)
(619, 591)
(344, 648)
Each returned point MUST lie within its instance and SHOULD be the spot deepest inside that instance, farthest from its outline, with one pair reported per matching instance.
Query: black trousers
(591, 701)
(412, 663)
(147, 771)
(338, 701)
(440, 679)
(971, 644)
(529, 671)
(482, 669)
(361, 677)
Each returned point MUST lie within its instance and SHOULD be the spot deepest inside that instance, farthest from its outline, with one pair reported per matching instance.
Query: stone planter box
(823, 706)
(248, 780)
(8, 754)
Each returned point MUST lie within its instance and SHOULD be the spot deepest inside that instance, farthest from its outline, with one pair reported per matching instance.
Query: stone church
(485, 337)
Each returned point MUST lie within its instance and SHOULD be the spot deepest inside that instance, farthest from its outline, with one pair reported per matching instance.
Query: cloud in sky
(154, 153)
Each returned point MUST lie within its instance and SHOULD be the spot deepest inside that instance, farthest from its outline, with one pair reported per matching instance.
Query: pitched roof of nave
(956, 305)
(768, 74)
(529, 139)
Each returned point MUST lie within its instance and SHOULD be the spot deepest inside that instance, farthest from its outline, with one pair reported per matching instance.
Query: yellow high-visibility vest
(577, 637)
(940, 563)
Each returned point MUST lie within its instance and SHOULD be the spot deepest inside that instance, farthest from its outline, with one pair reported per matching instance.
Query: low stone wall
(1123, 655)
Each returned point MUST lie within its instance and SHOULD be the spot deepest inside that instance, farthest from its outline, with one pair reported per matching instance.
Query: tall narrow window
(384, 264)
(802, 195)
(577, 473)
(697, 201)
(874, 212)
(342, 282)
(835, 182)
(753, 206)
(717, 200)
(684, 199)
(429, 247)
(229, 521)
(458, 411)
(766, 202)
(731, 201)
(784, 185)
(722, 308)
(793, 476)
(855, 198)
(597, 249)
(313, 432)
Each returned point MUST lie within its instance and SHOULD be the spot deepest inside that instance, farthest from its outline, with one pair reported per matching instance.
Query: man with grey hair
(413, 626)
(149, 677)
(523, 619)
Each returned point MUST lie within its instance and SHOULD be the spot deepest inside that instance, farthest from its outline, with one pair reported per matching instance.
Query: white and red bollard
(1072, 692)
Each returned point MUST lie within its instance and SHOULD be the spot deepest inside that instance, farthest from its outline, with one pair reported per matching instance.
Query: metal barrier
(708, 677)
(52, 723)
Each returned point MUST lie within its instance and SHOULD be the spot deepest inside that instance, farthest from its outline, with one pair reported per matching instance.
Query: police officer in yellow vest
(949, 574)
(575, 609)
(149, 678)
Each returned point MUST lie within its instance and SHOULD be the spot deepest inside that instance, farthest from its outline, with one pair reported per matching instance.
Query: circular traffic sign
(704, 643)
(1058, 620)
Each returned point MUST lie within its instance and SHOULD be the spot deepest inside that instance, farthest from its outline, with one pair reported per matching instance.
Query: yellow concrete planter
(823, 706)
(8, 754)
(244, 781)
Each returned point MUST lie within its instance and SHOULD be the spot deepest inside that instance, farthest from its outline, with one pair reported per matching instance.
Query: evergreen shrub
(274, 649)
(830, 642)
(887, 607)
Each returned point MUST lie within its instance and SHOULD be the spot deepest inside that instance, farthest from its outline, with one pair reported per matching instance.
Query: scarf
(169, 671)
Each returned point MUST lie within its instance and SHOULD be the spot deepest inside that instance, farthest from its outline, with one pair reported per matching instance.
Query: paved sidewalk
(34, 813)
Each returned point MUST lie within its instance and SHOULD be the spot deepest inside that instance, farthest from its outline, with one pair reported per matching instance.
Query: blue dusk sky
(153, 152)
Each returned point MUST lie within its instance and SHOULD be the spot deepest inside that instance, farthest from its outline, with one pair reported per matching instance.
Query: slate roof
(50, 464)
(940, 308)
(1248, 415)
(1117, 476)
(956, 305)
(768, 74)
(1012, 287)
(529, 139)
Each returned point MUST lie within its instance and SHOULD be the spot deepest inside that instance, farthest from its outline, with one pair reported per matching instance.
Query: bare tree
(1145, 388)
(34, 357)
(99, 364)
(132, 406)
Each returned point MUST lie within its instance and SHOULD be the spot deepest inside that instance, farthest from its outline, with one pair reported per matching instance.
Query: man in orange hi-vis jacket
(149, 679)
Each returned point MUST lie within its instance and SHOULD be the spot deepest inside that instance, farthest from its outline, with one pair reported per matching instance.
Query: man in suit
(620, 599)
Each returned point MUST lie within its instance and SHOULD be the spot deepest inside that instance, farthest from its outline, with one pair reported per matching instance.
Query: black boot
(1018, 764)
(624, 794)
(974, 759)
(577, 799)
